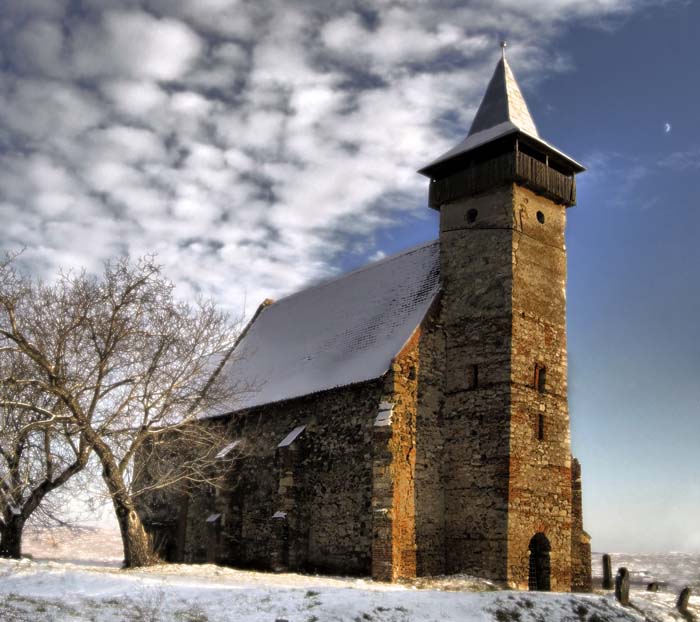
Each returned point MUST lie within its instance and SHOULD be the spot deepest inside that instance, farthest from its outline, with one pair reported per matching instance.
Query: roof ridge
(362, 268)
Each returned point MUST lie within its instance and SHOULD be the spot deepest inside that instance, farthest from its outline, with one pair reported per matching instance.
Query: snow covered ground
(89, 546)
(92, 587)
(672, 571)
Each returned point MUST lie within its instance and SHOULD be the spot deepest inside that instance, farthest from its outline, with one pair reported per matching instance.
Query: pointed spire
(502, 112)
(503, 102)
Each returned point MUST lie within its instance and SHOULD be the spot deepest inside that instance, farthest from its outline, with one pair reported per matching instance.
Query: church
(410, 418)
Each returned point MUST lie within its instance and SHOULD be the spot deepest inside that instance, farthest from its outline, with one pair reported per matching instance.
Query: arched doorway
(539, 563)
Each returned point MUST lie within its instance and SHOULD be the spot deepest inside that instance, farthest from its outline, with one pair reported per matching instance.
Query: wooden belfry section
(411, 417)
(503, 146)
(512, 159)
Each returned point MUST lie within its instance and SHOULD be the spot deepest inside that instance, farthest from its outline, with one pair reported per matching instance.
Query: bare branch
(123, 368)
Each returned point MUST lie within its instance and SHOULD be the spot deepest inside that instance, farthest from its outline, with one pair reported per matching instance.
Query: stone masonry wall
(320, 488)
(476, 273)
(451, 462)
(507, 465)
(581, 580)
(540, 465)
(408, 500)
(393, 502)
(343, 496)
(429, 487)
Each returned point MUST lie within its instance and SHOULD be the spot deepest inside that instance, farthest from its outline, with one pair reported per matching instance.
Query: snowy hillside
(40, 590)
(672, 571)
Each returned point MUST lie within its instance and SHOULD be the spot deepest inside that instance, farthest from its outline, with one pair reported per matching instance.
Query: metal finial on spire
(504, 45)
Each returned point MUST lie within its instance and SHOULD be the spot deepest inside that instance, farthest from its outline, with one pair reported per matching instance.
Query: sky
(259, 146)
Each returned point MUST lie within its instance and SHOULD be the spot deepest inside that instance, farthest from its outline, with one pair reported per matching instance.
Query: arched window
(540, 377)
(540, 570)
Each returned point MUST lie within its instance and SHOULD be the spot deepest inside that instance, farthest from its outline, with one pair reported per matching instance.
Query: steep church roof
(502, 111)
(337, 333)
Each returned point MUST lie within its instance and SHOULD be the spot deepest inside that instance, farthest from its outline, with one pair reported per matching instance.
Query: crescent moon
(667, 127)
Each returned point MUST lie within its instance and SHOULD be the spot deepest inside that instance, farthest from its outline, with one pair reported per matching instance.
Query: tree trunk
(137, 546)
(11, 537)
(12, 526)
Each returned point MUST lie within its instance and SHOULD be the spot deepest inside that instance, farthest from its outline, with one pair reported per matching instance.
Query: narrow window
(540, 427)
(471, 215)
(473, 377)
(540, 218)
(540, 377)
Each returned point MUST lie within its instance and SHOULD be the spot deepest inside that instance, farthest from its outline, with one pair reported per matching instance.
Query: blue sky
(260, 146)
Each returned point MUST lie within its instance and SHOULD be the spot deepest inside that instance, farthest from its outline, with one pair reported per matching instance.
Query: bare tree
(36, 458)
(129, 366)
(34, 461)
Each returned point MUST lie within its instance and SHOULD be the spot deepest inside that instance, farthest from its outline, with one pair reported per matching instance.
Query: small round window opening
(540, 218)
(471, 215)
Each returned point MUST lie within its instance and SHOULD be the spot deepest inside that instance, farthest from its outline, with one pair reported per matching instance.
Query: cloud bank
(248, 143)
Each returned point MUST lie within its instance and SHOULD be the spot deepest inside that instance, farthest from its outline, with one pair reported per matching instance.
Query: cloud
(40, 46)
(250, 144)
(47, 110)
(135, 44)
(134, 98)
(398, 39)
(682, 160)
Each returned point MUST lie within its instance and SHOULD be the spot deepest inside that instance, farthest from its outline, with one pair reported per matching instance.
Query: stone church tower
(502, 195)
(410, 418)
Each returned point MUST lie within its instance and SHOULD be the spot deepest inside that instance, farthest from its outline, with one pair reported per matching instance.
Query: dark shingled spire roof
(503, 111)
(503, 102)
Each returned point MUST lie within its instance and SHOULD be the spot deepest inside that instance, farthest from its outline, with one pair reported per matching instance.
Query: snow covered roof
(340, 332)
(227, 450)
(383, 419)
(291, 437)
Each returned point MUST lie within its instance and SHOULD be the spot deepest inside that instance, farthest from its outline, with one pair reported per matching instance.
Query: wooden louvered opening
(515, 166)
